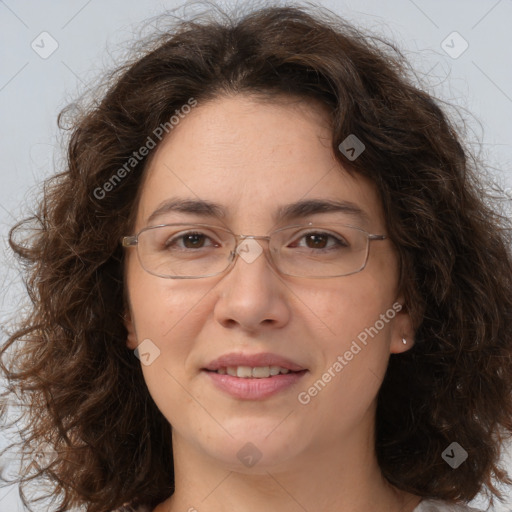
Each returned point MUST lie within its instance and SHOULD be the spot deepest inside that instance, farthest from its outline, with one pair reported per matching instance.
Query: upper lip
(252, 360)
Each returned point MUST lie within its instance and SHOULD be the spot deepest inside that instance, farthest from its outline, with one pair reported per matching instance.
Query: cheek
(355, 354)
(163, 307)
(168, 316)
(355, 318)
(351, 305)
(167, 319)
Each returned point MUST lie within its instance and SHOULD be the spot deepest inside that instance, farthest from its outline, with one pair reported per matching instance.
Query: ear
(131, 340)
(402, 329)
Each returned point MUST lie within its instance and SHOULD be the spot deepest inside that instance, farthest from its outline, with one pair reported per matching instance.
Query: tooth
(274, 370)
(285, 370)
(231, 370)
(222, 371)
(244, 372)
(261, 372)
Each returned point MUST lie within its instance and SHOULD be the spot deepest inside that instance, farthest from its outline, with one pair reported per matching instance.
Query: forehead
(253, 157)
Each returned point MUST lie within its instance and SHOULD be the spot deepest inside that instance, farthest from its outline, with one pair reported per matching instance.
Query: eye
(320, 240)
(190, 240)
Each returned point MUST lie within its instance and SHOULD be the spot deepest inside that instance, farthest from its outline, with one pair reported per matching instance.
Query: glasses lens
(198, 250)
(185, 250)
(320, 251)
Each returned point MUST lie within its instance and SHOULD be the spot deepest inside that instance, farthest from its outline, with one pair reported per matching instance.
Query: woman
(267, 279)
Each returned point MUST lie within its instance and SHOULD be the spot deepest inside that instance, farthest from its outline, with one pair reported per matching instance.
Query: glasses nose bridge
(239, 239)
(252, 237)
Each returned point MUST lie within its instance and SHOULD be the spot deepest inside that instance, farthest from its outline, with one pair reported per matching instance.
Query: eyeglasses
(191, 251)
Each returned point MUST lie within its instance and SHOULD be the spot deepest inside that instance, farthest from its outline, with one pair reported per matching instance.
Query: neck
(342, 476)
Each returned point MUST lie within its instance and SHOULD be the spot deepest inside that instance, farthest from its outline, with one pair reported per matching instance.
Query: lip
(253, 388)
(252, 360)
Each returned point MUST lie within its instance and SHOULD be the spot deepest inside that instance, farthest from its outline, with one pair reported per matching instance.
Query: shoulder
(442, 506)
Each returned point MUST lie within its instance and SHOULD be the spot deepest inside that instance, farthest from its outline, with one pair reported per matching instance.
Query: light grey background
(33, 89)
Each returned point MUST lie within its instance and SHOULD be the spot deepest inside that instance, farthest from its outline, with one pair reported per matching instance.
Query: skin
(252, 157)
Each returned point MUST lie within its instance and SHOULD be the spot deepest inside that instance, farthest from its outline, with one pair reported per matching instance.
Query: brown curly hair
(83, 390)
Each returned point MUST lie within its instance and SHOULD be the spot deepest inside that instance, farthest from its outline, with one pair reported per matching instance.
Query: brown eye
(193, 240)
(315, 241)
(320, 240)
(190, 240)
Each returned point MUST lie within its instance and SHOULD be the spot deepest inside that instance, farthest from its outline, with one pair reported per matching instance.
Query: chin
(255, 448)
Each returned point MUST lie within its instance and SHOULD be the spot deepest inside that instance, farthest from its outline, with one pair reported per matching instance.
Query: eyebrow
(284, 213)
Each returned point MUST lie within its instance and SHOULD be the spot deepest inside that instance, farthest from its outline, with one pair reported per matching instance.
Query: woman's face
(253, 159)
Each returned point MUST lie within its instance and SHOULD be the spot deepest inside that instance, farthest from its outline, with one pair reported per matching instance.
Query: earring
(404, 341)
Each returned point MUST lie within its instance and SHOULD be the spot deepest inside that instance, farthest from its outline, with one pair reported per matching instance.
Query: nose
(252, 295)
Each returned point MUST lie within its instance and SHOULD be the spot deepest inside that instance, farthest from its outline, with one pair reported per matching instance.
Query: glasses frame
(133, 240)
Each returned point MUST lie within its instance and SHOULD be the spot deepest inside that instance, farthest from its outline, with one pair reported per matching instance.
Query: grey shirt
(425, 505)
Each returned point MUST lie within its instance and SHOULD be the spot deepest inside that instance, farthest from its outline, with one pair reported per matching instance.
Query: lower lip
(254, 389)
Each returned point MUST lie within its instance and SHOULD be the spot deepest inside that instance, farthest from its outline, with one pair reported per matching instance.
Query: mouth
(253, 377)
(255, 372)
(260, 365)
